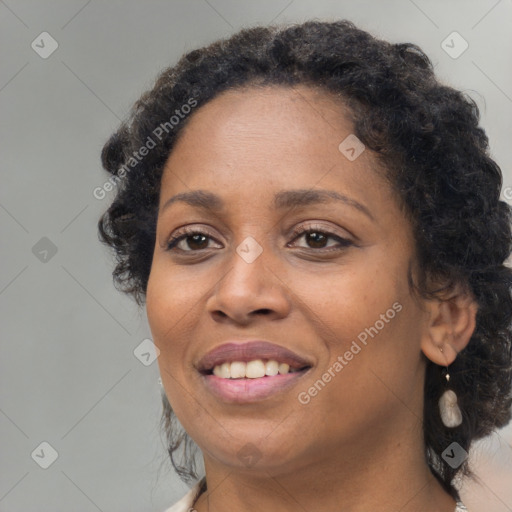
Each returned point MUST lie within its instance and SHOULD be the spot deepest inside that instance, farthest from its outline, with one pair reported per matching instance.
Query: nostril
(264, 311)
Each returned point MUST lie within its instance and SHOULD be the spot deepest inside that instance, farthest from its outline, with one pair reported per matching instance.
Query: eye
(198, 240)
(318, 237)
(193, 237)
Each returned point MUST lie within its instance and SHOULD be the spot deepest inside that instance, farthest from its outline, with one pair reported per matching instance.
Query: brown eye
(318, 239)
(195, 240)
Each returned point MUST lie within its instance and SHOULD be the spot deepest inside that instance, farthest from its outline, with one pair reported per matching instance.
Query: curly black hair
(434, 155)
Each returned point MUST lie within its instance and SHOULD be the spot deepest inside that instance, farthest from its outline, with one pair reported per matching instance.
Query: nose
(250, 289)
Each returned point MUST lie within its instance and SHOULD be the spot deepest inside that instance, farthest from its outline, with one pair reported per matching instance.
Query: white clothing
(185, 503)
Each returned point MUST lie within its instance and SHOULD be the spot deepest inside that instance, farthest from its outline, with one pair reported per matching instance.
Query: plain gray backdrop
(69, 375)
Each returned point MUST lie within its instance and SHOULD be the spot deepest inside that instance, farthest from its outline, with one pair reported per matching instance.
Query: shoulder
(185, 503)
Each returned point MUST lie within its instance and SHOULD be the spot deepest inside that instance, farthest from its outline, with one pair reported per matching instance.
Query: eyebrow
(284, 199)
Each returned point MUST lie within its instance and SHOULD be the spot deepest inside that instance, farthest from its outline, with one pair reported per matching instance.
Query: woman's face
(337, 297)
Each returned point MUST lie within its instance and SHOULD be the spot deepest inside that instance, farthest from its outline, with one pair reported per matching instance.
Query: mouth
(239, 373)
(252, 360)
(254, 369)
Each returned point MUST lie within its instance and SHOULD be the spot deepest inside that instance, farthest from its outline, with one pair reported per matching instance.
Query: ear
(450, 325)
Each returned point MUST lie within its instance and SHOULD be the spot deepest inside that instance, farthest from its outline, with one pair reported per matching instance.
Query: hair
(433, 153)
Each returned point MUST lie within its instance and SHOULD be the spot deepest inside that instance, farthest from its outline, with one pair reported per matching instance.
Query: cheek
(170, 296)
(347, 300)
(364, 314)
(166, 308)
(158, 305)
(174, 304)
(373, 373)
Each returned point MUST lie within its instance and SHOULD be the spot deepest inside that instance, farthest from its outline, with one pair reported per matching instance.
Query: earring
(448, 406)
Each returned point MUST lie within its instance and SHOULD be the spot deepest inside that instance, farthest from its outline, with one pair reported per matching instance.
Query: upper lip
(248, 351)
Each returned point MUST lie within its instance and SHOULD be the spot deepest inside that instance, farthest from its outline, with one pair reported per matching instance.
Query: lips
(249, 351)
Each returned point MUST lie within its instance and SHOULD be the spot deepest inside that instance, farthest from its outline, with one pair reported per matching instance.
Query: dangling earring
(448, 406)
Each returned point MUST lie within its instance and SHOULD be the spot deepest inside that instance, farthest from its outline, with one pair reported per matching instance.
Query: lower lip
(243, 391)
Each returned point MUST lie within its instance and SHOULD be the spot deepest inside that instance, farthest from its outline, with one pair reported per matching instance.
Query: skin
(359, 441)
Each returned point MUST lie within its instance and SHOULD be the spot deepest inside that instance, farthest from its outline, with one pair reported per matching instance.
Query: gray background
(68, 373)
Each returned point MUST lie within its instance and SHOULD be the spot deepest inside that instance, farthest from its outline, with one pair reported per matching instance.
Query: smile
(254, 369)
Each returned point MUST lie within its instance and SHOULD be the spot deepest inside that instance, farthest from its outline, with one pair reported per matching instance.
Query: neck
(374, 475)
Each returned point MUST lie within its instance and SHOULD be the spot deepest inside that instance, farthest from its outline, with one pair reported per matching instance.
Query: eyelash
(297, 232)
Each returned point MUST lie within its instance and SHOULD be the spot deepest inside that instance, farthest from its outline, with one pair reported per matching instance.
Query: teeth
(224, 370)
(251, 370)
(271, 368)
(237, 370)
(284, 368)
(254, 369)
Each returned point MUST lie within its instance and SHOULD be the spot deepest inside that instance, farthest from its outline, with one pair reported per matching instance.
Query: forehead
(264, 110)
(272, 133)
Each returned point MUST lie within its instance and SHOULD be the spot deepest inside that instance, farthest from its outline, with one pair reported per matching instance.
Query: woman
(314, 225)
